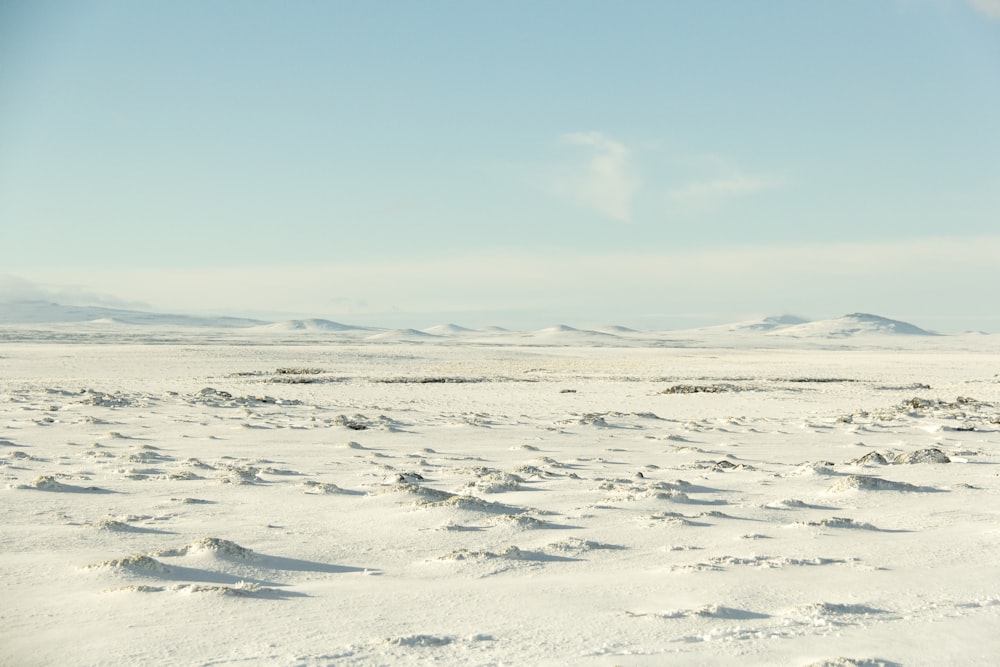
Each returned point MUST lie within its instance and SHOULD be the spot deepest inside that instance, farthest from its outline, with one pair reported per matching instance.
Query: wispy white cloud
(990, 8)
(608, 183)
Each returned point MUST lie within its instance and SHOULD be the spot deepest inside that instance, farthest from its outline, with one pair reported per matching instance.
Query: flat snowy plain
(297, 495)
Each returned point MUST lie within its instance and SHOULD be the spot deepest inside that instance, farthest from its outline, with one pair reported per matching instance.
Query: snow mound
(428, 497)
(140, 564)
(519, 521)
(715, 611)
(868, 483)
(833, 609)
(871, 458)
(576, 545)
(932, 455)
(322, 488)
(210, 545)
(113, 525)
(50, 483)
(360, 422)
(509, 553)
(241, 589)
(839, 522)
(494, 481)
(47, 483)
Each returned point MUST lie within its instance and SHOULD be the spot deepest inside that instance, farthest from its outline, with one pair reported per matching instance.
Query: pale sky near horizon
(653, 164)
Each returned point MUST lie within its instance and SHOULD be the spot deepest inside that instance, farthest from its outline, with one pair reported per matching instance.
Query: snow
(175, 495)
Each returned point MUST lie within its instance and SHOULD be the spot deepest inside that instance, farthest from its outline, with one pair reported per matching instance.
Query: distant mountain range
(44, 312)
(848, 326)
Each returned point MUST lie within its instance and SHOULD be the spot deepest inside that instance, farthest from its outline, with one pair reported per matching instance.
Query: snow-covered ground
(769, 493)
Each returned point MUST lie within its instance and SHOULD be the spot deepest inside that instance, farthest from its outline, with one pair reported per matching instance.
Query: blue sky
(656, 164)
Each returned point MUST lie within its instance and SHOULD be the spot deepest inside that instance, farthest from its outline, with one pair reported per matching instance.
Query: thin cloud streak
(712, 193)
(719, 180)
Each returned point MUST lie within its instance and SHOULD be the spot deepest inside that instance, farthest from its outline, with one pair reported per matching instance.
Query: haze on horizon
(655, 165)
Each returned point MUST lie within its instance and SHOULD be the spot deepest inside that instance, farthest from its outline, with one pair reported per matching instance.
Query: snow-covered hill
(855, 324)
(311, 324)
